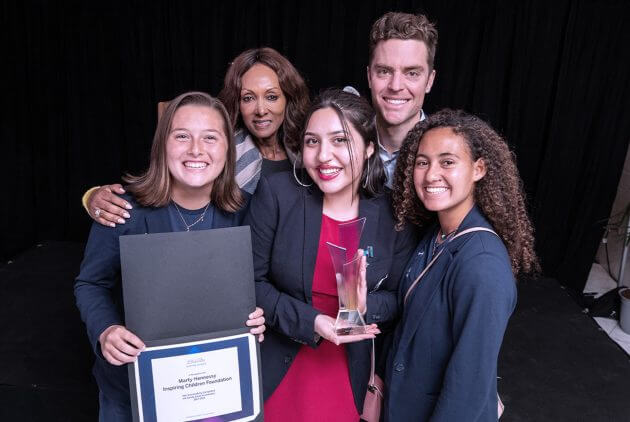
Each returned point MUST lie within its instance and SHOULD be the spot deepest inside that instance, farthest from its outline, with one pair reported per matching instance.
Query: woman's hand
(106, 207)
(257, 320)
(119, 345)
(325, 327)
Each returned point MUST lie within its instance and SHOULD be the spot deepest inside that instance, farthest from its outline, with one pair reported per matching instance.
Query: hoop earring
(367, 174)
(296, 178)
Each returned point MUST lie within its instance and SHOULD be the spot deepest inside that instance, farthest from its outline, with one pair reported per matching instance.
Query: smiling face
(399, 76)
(445, 174)
(334, 158)
(262, 102)
(196, 150)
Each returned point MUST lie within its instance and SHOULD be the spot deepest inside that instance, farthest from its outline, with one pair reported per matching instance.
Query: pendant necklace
(440, 239)
(198, 220)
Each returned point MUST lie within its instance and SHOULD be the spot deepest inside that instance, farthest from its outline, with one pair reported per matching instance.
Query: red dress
(317, 385)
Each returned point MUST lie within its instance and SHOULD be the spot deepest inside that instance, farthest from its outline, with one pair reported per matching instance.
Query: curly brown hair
(499, 194)
(291, 84)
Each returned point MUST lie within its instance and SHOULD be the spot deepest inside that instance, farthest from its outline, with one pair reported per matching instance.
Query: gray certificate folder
(184, 287)
(187, 283)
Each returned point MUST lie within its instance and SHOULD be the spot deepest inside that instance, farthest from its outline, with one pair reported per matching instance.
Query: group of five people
(446, 225)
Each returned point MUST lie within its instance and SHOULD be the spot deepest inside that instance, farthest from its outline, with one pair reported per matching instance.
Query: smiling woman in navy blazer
(307, 375)
(457, 178)
(189, 186)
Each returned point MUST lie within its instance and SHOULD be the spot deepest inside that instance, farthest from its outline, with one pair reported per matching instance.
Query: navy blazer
(285, 220)
(443, 362)
(98, 290)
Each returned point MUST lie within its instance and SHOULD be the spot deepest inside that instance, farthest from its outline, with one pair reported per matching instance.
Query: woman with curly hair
(457, 179)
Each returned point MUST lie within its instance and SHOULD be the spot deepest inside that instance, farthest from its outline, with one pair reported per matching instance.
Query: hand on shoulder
(106, 207)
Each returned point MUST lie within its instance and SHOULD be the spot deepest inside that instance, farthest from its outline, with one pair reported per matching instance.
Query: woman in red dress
(309, 372)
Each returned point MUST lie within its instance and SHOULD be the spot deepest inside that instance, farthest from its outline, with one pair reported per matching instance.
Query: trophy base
(349, 322)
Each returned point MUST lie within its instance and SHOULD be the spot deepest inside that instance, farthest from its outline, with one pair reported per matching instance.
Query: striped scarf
(249, 161)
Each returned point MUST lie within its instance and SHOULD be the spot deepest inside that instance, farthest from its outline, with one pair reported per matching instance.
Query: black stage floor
(555, 365)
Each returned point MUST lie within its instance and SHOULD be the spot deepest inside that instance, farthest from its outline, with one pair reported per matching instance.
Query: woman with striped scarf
(266, 99)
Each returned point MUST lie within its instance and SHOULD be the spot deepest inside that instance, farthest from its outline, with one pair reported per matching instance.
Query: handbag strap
(372, 387)
(463, 232)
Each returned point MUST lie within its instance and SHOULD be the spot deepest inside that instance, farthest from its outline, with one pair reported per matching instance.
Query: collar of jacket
(474, 218)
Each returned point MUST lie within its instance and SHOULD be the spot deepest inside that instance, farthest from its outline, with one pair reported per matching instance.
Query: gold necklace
(447, 235)
(276, 150)
(200, 219)
(443, 238)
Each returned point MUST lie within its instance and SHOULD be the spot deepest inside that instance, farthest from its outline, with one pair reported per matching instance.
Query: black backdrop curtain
(82, 79)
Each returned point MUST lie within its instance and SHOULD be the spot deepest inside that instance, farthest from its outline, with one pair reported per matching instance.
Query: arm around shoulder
(105, 205)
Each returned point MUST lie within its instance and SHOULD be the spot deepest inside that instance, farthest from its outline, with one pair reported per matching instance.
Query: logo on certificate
(191, 363)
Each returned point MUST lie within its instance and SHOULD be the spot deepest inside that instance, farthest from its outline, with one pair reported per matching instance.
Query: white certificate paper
(188, 387)
(199, 380)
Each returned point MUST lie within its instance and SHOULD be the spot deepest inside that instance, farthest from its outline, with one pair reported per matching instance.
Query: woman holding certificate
(189, 185)
(457, 178)
(310, 372)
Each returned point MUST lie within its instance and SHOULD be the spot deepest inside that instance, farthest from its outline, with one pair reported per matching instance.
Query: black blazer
(285, 220)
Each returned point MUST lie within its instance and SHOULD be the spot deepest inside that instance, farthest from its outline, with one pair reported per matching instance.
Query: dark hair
(355, 110)
(405, 26)
(291, 84)
(153, 187)
(499, 194)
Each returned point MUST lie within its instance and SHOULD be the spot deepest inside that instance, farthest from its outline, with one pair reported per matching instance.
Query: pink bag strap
(371, 384)
(463, 232)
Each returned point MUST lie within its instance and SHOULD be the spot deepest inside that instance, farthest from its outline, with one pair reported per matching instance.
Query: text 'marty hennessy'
(347, 265)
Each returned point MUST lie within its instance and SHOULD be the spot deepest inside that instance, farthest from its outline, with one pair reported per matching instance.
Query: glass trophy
(347, 266)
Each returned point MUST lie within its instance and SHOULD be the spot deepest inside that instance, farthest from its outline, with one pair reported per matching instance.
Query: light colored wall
(615, 240)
